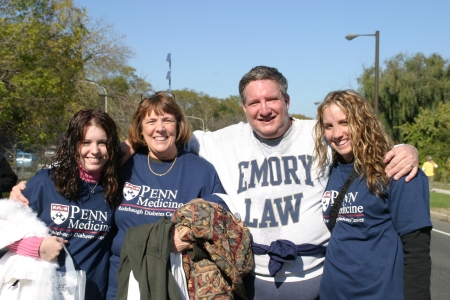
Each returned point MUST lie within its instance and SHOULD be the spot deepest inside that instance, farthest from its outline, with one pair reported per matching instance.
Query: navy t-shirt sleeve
(409, 204)
(35, 191)
(217, 185)
(210, 179)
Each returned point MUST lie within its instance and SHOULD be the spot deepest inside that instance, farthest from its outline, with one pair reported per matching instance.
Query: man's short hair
(263, 73)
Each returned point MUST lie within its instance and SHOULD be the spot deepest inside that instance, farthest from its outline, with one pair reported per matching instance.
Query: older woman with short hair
(161, 176)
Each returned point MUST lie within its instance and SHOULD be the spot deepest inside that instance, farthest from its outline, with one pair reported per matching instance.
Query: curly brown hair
(368, 137)
(160, 103)
(66, 161)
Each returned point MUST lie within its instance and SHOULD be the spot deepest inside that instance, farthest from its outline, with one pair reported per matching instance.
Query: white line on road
(442, 232)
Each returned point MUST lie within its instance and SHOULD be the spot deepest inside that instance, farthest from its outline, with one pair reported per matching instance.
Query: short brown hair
(263, 73)
(160, 103)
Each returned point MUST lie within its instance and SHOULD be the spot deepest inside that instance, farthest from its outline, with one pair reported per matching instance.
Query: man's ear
(287, 99)
(243, 106)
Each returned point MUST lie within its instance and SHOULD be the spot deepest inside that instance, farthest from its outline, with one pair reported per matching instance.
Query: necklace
(150, 168)
(92, 189)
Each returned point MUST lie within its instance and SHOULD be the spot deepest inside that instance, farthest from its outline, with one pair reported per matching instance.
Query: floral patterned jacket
(222, 253)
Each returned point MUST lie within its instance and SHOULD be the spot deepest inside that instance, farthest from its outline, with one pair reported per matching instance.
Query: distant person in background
(8, 178)
(428, 167)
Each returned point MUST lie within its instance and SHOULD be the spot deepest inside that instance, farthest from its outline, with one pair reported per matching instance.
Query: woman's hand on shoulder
(127, 151)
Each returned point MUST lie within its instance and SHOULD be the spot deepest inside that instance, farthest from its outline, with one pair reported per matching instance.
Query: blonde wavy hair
(367, 135)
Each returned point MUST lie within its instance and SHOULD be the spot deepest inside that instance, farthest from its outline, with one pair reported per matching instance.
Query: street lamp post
(169, 73)
(377, 50)
(203, 122)
(104, 91)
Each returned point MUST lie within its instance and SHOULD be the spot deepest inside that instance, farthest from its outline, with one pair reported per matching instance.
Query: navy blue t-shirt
(84, 223)
(364, 258)
(147, 197)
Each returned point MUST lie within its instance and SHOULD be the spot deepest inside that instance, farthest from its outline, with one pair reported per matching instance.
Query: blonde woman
(379, 247)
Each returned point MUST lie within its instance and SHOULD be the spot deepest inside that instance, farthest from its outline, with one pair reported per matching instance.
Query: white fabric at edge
(179, 275)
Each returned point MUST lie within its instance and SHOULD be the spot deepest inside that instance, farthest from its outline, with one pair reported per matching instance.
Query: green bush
(438, 200)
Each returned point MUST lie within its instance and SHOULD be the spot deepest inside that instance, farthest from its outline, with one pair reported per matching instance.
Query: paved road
(440, 257)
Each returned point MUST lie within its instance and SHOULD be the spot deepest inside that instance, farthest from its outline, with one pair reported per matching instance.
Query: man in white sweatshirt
(265, 166)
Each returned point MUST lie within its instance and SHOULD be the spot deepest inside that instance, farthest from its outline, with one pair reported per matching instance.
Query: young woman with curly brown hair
(76, 198)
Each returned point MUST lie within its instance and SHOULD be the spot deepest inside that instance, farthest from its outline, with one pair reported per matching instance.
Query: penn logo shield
(130, 191)
(326, 200)
(59, 213)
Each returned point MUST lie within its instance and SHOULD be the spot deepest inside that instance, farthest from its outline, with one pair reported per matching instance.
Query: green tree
(48, 48)
(430, 133)
(123, 90)
(214, 113)
(301, 117)
(198, 105)
(228, 112)
(39, 57)
(407, 84)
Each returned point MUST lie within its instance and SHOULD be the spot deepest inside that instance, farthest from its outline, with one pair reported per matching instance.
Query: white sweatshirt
(273, 187)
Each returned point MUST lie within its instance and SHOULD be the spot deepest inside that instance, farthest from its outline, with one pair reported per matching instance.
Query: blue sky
(215, 42)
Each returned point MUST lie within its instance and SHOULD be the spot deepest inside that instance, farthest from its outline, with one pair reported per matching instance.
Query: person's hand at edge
(403, 160)
(16, 193)
(50, 248)
(127, 151)
(178, 245)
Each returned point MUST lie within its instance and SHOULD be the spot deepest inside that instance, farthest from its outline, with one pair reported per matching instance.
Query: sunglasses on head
(150, 94)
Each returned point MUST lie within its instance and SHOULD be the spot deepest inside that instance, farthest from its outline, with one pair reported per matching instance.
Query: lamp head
(351, 36)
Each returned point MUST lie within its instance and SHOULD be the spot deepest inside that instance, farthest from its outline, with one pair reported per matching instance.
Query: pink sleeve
(27, 246)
